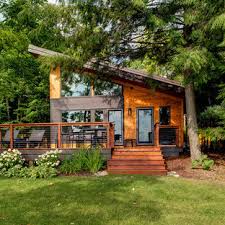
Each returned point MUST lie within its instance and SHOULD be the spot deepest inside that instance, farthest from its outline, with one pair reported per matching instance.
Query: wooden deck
(37, 138)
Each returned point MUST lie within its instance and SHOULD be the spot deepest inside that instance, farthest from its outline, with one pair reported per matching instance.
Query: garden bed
(182, 166)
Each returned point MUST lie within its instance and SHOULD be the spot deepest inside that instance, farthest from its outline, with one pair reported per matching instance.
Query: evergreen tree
(24, 82)
(186, 37)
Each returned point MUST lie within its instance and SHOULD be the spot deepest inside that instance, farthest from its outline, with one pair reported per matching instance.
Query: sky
(51, 1)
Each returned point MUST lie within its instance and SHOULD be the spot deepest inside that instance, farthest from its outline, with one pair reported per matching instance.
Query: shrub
(88, 159)
(50, 158)
(74, 164)
(10, 159)
(17, 171)
(94, 161)
(41, 171)
(203, 162)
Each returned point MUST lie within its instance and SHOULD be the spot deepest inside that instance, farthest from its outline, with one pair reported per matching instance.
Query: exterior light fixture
(129, 111)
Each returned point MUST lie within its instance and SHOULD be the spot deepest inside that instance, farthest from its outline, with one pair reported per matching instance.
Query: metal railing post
(59, 136)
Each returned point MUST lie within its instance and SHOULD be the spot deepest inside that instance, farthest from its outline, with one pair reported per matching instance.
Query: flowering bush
(10, 159)
(50, 158)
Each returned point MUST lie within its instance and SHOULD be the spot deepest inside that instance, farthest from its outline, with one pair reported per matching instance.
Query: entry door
(145, 129)
(116, 117)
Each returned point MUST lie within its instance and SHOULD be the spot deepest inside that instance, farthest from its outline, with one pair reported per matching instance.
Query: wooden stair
(137, 160)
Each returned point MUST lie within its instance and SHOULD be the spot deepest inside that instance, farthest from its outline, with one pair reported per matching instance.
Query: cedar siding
(135, 95)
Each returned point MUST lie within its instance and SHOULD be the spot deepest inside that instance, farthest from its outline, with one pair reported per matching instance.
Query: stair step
(135, 162)
(144, 157)
(122, 152)
(136, 167)
(144, 172)
(153, 148)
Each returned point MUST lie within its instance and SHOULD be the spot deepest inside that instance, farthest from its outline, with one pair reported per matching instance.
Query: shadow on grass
(81, 201)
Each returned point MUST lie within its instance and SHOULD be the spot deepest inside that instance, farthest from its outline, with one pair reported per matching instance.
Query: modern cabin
(132, 115)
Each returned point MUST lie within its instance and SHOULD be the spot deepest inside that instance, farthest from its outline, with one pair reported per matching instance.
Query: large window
(107, 88)
(76, 116)
(145, 126)
(164, 115)
(116, 117)
(74, 84)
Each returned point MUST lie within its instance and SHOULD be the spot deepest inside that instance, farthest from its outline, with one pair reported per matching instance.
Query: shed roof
(126, 73)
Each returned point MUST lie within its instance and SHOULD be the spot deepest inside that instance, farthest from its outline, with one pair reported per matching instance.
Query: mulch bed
(182, 166)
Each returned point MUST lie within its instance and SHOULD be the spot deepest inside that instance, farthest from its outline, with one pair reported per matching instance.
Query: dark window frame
(169, 120)
(152, 126)
(77, 110)
(122, 124)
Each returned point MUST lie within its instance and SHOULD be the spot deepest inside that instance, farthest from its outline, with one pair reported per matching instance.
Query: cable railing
(56, 135)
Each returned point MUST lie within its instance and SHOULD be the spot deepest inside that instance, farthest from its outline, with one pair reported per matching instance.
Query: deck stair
(137, 160)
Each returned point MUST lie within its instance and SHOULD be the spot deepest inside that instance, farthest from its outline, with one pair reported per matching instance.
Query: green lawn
(111, 200)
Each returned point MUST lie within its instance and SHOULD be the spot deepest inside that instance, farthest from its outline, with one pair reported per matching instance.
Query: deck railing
(166, 135)
(56, 135)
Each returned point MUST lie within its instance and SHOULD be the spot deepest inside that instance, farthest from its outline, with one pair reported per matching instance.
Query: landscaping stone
(173, 174)
(101, 173)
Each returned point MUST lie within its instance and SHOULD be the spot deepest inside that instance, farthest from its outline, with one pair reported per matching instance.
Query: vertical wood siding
(55, 83)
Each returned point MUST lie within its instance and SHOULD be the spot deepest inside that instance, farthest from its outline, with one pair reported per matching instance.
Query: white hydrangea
(50, 158)
(10, 158)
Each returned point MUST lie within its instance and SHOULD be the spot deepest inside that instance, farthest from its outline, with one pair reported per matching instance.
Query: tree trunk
(7, 108)
(192, 122)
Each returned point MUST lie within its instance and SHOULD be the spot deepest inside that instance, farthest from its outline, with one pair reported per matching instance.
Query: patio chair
(6, 138)
(35, 138)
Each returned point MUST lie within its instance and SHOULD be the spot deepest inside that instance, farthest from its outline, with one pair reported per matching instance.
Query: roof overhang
(133, 75)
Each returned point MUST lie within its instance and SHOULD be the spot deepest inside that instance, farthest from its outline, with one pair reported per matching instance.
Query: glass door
(116, 117)
(145, 129)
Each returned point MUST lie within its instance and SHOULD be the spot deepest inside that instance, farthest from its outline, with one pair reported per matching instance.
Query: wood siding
(55, 83)
(138, 97)
(134, 96)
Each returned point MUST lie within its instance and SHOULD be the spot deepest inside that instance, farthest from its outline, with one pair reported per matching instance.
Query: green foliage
(213, 119)
(24, 83)
(89, 159)
(75, 164)
(41, 171)
(94, 161)
(33, 172)
(16, 171)
(204, 162)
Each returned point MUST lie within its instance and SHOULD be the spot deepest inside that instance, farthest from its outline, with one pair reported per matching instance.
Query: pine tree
(186, 37)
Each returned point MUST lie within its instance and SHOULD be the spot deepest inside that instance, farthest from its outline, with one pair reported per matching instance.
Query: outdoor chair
(35, 139)
(6, 138)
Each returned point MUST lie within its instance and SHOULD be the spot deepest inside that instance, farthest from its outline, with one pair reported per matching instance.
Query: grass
(111, 200)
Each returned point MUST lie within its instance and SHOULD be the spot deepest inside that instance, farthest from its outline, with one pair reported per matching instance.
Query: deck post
(111, 135)
(59, 136)
(157, 134)
(11, 136)
(108, 136)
